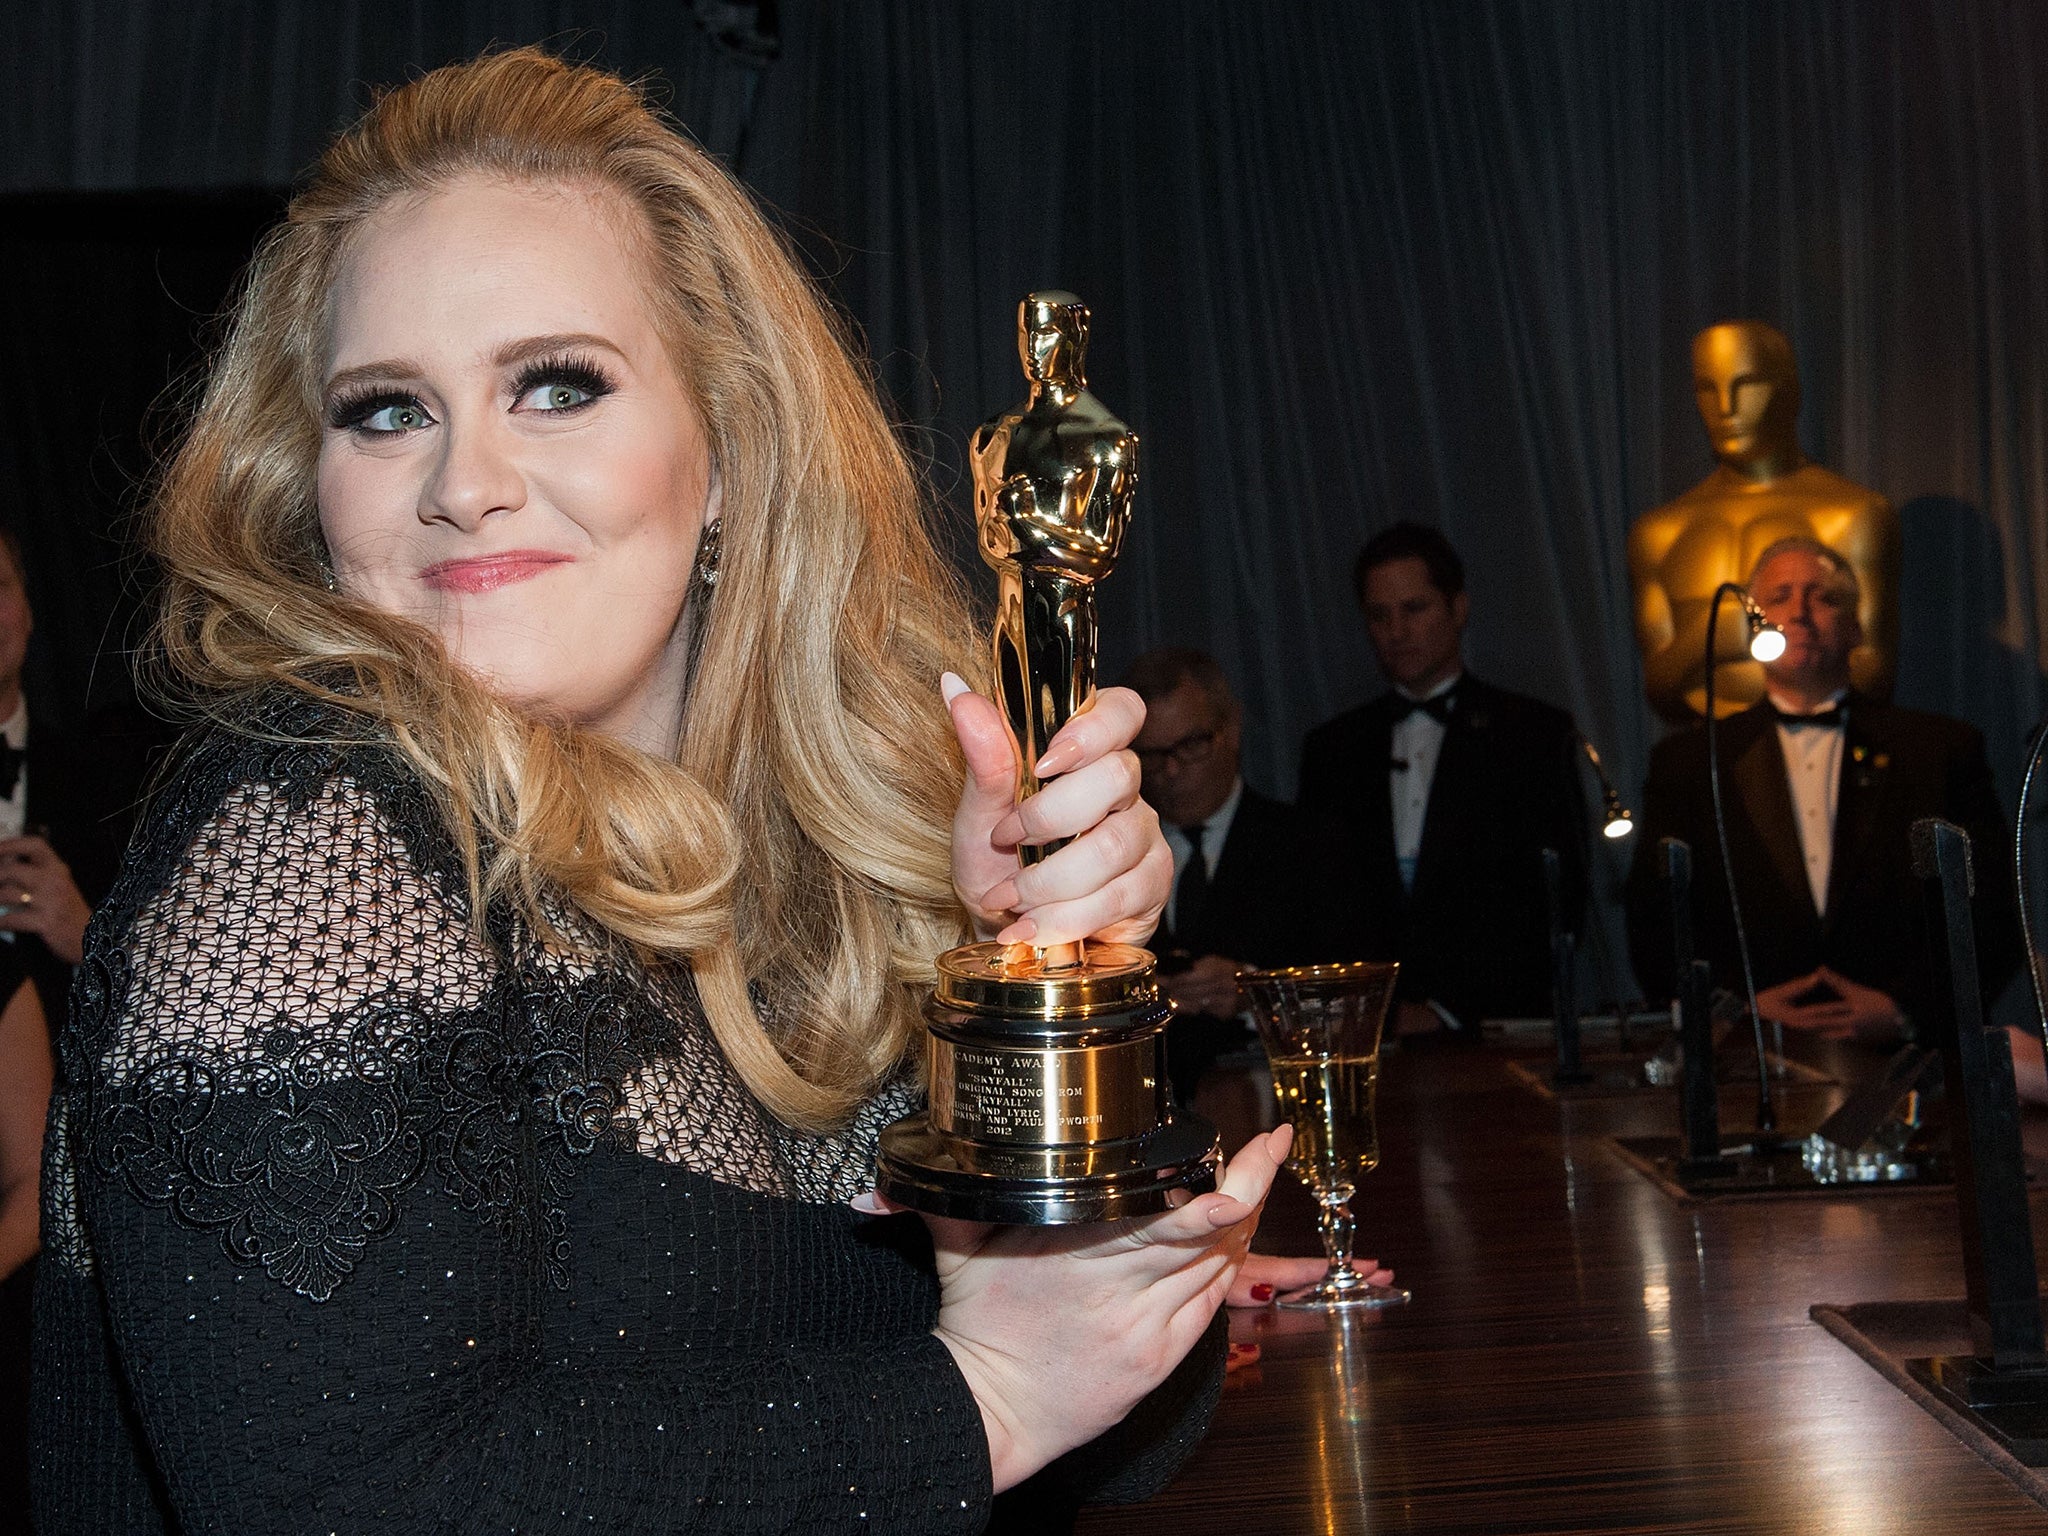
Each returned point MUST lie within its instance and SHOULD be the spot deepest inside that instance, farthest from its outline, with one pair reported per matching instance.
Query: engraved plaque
(1039, 1097)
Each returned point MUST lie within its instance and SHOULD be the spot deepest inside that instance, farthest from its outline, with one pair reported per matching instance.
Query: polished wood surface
(1582, 1353)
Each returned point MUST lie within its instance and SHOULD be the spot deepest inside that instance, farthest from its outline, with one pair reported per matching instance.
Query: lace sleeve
(311, 1238)
(261, 1067)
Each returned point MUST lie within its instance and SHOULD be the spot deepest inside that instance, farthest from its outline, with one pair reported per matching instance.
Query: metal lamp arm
(2019, 870)
(1766, 1114)
(1610, 798)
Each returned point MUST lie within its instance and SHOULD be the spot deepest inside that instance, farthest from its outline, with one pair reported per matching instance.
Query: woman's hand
(1264, 1276)
(1061, 1331)
(1111, 882)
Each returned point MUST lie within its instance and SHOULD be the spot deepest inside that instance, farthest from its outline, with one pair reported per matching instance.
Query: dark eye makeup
(574, 380)
(353, 409)
(567, 371)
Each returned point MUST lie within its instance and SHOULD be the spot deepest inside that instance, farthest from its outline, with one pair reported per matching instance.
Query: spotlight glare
(1768, 643)
(1619, 826)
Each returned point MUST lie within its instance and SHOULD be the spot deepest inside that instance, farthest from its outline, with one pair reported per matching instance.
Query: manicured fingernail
(1062, 756)
(1000, 898)
(1008, 832)
(951, 686)
(1262, 1292)
(1023, 931)
(868, 1203)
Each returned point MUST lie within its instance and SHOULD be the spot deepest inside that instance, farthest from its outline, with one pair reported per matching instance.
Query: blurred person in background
(1452, 788)
(1821, 785)
(1256, 882)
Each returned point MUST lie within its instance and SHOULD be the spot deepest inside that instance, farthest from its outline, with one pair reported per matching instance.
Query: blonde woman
(475, 1073)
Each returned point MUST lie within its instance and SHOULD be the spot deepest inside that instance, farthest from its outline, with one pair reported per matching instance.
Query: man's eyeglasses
(1191, 749)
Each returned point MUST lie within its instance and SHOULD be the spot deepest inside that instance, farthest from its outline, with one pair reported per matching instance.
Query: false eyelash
(356, 406)
(571, 368)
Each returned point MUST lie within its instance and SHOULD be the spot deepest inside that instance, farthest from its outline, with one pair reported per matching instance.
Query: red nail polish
(1262, 1292)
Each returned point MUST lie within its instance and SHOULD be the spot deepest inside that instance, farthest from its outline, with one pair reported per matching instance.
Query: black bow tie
(1833, 715)
(1437, 708)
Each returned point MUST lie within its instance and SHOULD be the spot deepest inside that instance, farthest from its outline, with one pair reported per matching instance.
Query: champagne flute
(1320, 1025)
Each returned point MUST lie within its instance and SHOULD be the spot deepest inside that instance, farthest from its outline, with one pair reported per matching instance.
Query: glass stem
(1336, 1224)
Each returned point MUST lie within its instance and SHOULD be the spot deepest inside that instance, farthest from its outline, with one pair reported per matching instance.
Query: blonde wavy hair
(801, 840)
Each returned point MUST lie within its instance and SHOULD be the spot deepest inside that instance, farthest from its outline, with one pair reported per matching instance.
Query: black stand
(1699, 1096)
(1564, 981)
(1699, 1104)
(2004, 1385)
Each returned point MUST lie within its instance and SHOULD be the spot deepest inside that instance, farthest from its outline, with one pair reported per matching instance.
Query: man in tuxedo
(1821, 786)
(1253, 879)
(1453, 788)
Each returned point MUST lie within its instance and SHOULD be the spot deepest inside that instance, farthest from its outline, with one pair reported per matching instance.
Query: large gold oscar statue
(1764, 490)
(1048, 1100)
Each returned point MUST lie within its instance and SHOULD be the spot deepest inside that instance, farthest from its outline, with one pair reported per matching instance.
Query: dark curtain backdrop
(1349, 263)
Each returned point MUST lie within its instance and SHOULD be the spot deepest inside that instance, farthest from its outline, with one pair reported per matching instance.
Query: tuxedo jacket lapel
(1859, 797)
(1236, 865)
(1447, 790)
(1756, 770)
(1376, 797)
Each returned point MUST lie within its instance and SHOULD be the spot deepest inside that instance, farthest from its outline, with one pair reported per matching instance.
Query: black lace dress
(360, 1217)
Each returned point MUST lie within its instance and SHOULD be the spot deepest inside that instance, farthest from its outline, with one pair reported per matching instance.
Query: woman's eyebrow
(530, 347)
(511, 354)
(386, 371)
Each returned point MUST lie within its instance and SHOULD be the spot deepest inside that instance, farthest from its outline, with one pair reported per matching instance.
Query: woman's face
(507, 455)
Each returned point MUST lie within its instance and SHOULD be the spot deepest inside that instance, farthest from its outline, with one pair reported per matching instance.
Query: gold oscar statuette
(1049, 1101)
(1763, 489)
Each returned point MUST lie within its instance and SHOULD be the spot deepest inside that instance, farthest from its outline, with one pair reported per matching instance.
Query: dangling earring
(696, 613)
(707, 553)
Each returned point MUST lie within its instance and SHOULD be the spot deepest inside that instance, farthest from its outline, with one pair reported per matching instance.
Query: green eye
(559, 386)
(396, 418)
(557, 397)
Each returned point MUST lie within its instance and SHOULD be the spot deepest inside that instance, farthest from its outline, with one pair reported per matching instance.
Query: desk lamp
(1766, 644)
(1616, 822)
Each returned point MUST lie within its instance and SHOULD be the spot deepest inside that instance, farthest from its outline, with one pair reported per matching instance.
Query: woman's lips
(487, 573)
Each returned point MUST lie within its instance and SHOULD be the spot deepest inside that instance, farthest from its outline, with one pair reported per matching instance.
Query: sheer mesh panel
(304, 1022)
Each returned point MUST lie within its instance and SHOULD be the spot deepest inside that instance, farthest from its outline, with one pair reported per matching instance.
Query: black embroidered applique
(286, 1022)
(296, 1156)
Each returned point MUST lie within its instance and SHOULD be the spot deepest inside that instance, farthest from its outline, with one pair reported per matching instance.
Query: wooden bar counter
(1582, 1353)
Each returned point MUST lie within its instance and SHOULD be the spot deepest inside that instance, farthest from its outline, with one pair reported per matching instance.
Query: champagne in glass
(1320, 1025)
(1330, 1101)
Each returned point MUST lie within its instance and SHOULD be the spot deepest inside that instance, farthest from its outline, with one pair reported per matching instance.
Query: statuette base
(1048, 1097)
(1047, 1186)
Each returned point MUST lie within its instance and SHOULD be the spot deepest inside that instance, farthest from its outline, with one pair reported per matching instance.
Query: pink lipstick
(487, 573)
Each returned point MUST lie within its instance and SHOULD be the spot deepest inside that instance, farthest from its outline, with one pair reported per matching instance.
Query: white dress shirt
(14, 809)
(1418, 740)
(1813, 771)
(1215, 832)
